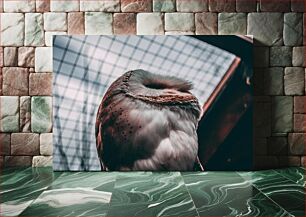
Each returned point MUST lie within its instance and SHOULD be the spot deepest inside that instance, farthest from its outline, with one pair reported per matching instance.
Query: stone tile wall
(27, 27)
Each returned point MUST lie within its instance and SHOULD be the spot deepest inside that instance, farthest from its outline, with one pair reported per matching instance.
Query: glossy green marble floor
(41, 192)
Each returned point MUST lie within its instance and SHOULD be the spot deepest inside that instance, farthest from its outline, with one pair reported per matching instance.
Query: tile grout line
(190, 195)
(289, 179)
(115, 180)
(266, 195)
(20, 214)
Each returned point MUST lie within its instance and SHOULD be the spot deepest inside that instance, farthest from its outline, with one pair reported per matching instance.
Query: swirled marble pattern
(151, 194)
(227, 194)
(70, 202)
(20, 187)
(42, 192)
(296, 174)
(75, 194)
(285, 192)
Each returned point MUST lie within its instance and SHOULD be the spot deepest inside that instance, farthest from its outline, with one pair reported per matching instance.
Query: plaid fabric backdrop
(85, 66)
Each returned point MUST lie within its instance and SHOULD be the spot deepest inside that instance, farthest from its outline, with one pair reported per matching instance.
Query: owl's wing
(98, 132)
(130, 132)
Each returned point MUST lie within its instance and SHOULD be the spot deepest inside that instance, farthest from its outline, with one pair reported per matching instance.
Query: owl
(148, 122)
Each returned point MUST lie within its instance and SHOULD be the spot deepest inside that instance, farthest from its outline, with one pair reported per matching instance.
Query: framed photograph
(152, 103)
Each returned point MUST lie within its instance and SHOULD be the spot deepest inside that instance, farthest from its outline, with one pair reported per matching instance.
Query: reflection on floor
(41, 192)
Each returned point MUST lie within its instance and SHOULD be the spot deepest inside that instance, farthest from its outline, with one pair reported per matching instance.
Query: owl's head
(160, 89)
(149, 84)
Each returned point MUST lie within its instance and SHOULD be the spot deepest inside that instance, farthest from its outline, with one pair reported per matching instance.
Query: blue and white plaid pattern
(85, 66)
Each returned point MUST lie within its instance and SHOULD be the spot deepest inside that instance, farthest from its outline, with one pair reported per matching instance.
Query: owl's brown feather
(148, 122)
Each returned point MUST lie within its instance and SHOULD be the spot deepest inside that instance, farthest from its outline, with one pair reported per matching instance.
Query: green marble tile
(183, 208)
(136, 209)
(286, 193)
(13, 174)
(296, 174)
(75, 194)
(166, 177)
(93, 180)
(19, 187)
(227, 194)
(37, 192)
(150, 194)
(70, 202)
(134, 187)
(189, 177)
